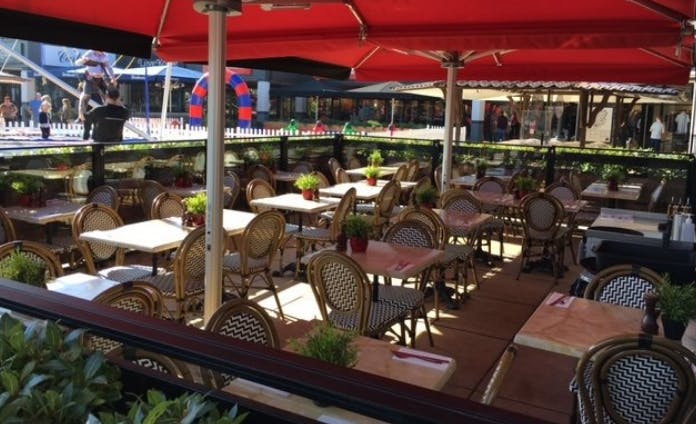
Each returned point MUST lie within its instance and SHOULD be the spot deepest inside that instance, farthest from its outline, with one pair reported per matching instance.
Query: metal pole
(692, 144)
(165, 97)
(60, 83)
(215, 149)
(449, 109)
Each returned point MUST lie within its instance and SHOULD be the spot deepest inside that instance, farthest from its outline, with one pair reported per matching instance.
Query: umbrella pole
(217, 58)
(449, 109)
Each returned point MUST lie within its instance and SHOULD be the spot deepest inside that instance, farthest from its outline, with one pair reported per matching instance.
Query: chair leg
(424, 314)
(272, 287)
(522, 260)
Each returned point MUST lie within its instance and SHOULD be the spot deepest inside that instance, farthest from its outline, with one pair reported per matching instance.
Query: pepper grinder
(649, 323)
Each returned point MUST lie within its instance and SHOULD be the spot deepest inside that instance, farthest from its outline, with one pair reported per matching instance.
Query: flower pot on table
(308, 194)
(613, 184)
(372, 181)
(358, 244)
(673, 330)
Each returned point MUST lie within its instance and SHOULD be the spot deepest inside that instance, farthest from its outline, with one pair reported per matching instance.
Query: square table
(462, 223)
(84, 286)
(55, 211)
(296, 203)
(599, 190)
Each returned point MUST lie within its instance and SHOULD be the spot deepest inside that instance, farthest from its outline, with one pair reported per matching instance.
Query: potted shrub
(427, 196)
(182, 176)
(677, 306)
(375, 158)
(21, 268)
(481, 167)
(194, 215)
(308, 183)
(613, 175)
(372, 173)
(508, 163)
(357, 230)
(524, 185)
(328, 344)
(28, 189)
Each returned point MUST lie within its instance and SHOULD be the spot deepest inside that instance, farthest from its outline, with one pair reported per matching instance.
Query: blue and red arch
(200, 91)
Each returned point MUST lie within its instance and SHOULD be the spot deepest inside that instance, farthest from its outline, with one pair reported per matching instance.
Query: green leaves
(329, 344)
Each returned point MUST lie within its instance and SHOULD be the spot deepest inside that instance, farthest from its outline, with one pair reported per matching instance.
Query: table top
(285, 176)
(569, 325)
(84, 286)
(394, 261)
(462, 222)
(158, 235)
(383, 170)
(468, 181)
(374, 357)
(295, 202)
(598, 190)
(509, 201)
(54, 211)
(47, 173)
(189, 191)
(646, 223)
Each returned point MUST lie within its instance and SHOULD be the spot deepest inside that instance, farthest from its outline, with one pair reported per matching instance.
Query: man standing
(95, 85)
(657, 129)
(8, 110)
(107, 120)
(35, 106)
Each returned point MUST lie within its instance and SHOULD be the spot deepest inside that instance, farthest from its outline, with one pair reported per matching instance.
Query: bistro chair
(96, 217)
(637, 379)
(231, 181)
(7, 229)
(341, 176)
(149, 189)
(167, 205)
(105, 195)
(323, 181)
(303, 167)
(401, 173)
(420, 184)
(543, 235)
(624, 285)
(185, 282)
(258, 244)
(413, 168)
(564, 192)
(410, 233)
(344, 296)
(383, 207)
(244, 320)
(34, 252)
(139, 297)
(497, 225)
(334, 164)
(261, 172)
(153, 361)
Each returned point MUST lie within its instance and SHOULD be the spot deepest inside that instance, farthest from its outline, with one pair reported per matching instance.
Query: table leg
(499, 374)
(154, 264)
(375, 288)
(50, 229)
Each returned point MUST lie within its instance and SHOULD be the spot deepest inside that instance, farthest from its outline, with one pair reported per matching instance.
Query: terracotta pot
(358, 244)
(372, 181)
(308, 194)
(612, 184)
(24, 200)
(520, 194)
(674, 330)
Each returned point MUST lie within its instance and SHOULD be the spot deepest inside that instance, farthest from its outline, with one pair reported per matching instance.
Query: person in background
(106, 122)
(657, 130)
(35, 107)
(67, 113)
(319, 127)
(95, 83)
(348, 128)
(8, 110)
(515, 126)
(292, 127)
(501, 126)
(45, 119)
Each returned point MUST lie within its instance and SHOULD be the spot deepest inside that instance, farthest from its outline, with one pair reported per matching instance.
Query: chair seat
(382, 316)
(400, 297)
(232, 263)
(365, 208)
(457, 251)
(166, 284)
(314, 233)
(127, 273)
(291, 229)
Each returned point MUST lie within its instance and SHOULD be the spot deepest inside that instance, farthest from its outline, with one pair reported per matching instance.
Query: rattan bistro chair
(230, 196)
(624, 285)
(258, 245)
(381, 210)
(106, 195)
(34, 252)
(637, 379)
(153, 361)
(240, 319)
(344, 296)
(95, 216)
(148, 190)
(167, 205)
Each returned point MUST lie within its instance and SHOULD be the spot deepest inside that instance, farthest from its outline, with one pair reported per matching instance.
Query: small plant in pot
(182, 176)
(195, 208)
(308, 183)
(524, 185)
(427, 196)
(357, 230)
(375, 159)
(677, 306)
(508, 163)
(372, 173)
(21, 268)
(28, 189)
(481, 167)
(613, 175)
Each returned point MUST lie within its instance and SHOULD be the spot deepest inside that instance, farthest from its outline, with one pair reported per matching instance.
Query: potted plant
(28, 189)
(372, 173)
(21, 268)
(677, 306)
(328, 344)
(613, 175)
(481, 167)
(375, 159)
(427, 196)
(308, 183)
(524, 185)
(195, 208)
(508, 163)
(266, 155)
(182, 176)
(357, 230)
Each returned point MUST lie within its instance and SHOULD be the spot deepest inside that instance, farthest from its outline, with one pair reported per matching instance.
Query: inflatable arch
(200, 91)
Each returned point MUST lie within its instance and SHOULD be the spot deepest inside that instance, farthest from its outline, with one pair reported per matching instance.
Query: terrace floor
(477, 334)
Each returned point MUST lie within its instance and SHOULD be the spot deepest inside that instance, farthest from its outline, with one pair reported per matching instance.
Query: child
(45, 119)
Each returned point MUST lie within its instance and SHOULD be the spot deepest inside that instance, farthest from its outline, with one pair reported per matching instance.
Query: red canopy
(552, 39)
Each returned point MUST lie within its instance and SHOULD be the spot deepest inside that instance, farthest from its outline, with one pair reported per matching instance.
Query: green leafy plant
(26, 185)
(372, 172)
(481, 163)
(677, 303)
(330, 345)
(187, 408)
(357, 226)
(20, 267)
(375, 158)
(197, 204)
(525, 183)
(613, 172)
(427, 195)
(307, 182)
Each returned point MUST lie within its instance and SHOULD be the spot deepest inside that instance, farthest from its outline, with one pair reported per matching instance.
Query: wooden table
(599, 190)
(55, 211)
(374, 357)
(84, 286)
(461, 223)
(569, 326)
(296, 203)
(159, 235)
(46, 174)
